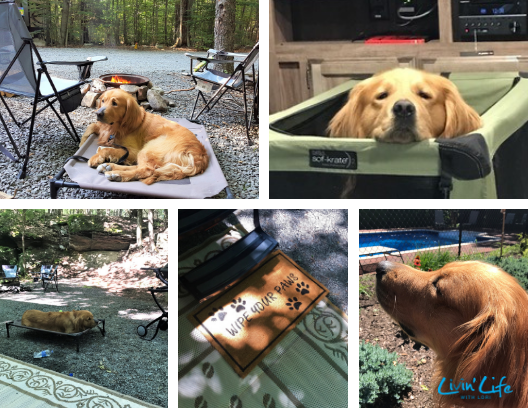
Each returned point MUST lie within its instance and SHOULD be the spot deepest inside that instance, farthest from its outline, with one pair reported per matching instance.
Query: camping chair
(208, 80)
(10, 275)
(17, 76)
(49, 274)
(228, 266)
(163, 320)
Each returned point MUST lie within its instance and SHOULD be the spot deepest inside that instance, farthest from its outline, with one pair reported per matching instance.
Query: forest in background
(182, 23)
(30, 224)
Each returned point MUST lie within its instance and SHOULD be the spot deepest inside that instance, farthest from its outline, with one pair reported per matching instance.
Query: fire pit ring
(132, 80)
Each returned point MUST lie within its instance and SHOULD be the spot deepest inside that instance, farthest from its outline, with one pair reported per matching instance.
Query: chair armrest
(88, 61)
(192, 56)
(216, 61)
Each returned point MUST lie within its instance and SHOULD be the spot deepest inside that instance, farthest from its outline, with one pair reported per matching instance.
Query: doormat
(248, 320)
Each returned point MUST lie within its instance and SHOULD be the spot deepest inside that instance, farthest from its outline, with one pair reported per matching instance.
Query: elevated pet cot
(76, 336)
(208, 184)
(488, 163)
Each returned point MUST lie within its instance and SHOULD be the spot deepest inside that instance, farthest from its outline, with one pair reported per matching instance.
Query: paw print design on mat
(238, 304)
(221, 315)
(294, 303)
(302, 288)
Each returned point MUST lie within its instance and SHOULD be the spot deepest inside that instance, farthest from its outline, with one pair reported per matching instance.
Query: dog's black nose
(383, 267)
(403, 108)
(100, 112)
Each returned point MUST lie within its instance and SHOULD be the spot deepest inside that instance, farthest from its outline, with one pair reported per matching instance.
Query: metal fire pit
(134, 80)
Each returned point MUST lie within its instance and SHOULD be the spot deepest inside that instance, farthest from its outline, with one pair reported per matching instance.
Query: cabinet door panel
(327, 74)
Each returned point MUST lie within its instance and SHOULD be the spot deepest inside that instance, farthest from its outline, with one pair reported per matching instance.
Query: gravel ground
(52, 145)
(137, 368)
(316, 239)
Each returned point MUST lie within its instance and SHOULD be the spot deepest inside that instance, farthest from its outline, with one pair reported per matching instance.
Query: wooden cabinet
(299, 70)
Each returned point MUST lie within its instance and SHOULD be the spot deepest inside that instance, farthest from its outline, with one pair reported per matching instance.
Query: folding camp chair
(208, 80)
(163, 320)
(9, 275)
(49, 275)
(17, 76)
(229, 266)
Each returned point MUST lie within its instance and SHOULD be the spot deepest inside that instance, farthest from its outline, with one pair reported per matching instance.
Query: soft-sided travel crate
(488, 163)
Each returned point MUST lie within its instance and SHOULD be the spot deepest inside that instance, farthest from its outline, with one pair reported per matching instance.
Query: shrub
(517, 267)
(379, 376)
(434, 260)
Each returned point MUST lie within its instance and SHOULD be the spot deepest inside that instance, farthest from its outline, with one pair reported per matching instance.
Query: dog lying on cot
(158, 149)
(75, 321)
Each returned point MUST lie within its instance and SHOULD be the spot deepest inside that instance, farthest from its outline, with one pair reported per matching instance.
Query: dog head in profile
(120, 111)
(473, 315)
(83, 320)
(404, 105)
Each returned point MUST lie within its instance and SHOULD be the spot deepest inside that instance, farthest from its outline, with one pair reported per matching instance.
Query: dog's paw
(112, 176)
(102, 168)
(95, 161)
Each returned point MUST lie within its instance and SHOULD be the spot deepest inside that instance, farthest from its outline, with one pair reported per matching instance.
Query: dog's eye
(382, 95)
(114, 103)
(102, 101)
(424, 95)
(435, 284)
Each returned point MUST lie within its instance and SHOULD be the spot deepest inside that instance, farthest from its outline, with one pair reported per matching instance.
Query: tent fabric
(207, 184)
(298, 141)
(308, 368)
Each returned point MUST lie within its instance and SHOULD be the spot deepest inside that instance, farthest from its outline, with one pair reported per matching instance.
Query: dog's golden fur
(159, 149)
(440, 111)
(473, 315)
(63, 322)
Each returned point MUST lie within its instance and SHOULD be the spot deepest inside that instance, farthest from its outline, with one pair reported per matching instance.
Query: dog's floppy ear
(347, 122)
(460, 117)
(132, 114)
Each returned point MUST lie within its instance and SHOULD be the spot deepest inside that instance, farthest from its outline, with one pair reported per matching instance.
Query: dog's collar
(125, 156)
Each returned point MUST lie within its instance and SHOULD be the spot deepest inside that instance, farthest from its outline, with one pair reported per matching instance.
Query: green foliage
(366, 285)
(517, 267)
(434, 259)
(8, 255)
(380, 376)
(523, 244)
(148, 22)
(80, 222)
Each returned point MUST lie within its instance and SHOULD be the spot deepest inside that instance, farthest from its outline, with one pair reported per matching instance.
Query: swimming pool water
(413, 240)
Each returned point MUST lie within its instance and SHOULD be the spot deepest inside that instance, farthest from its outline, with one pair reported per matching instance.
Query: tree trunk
(166, 218)
(184, 23)
(166, 39)
(224, 30)
(139, 237)
(64, 22)
(151, 231)
(85, 38)
(48, 23)
(125, 38)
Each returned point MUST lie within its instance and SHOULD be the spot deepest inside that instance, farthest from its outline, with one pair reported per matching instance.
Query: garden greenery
(379, 376)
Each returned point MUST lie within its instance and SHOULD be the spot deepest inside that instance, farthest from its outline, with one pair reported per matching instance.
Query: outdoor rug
(245, 322)
(29, 386)
(307, 368)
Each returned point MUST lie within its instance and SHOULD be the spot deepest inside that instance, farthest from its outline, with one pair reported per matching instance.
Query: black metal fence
(405, 233)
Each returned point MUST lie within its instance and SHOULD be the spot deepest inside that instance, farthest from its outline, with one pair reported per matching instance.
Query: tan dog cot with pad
(208, 184)
(76, 336)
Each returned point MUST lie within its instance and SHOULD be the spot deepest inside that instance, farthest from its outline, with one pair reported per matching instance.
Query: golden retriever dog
(159, 149)
(404, 105)
(474, 316)
(63, 322)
